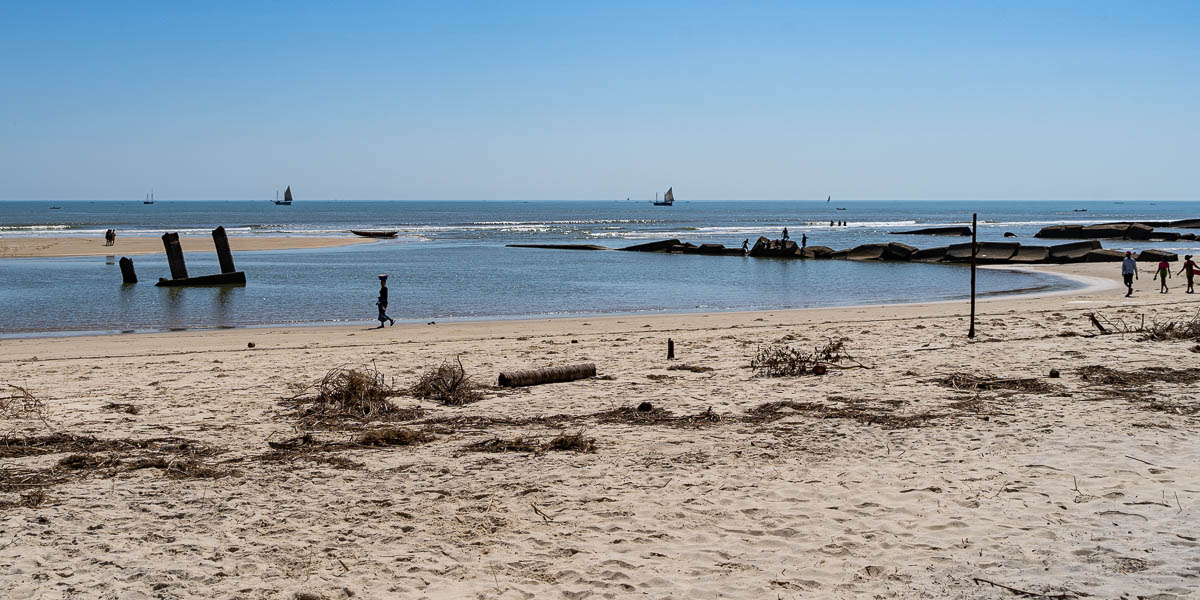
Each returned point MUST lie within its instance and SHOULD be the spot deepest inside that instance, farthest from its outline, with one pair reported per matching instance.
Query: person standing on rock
(746, 245)
(803, 241)
(785, 234)
(1129, 272)
(382, 302)
(1190, 266)
(1164, 271)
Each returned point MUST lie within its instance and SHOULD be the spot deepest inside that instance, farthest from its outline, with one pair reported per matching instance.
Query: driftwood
(548, 375)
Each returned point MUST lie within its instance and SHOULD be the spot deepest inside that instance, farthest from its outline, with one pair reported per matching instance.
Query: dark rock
(765, 248)
(1009, 234)
(1139, 231)
(1031, 254)
(961, 231)
(988, 252)
(1188, 236)
(819, 369)
(1105, 230)
(1104, 256)
(1073, 252)
(1060, 232)
(839, 254)
(898, 251)
(817, 252)
(662, 246)
(250, 345)
(1164, 236)
(1157, 255)
(1185, 224)
(1054, 374)
(867, 252)
(645, 407)
(929, 254)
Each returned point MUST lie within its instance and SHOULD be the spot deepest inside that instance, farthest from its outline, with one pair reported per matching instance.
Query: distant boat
(375, 234)
(1080, 210)
(55, 208)
(287, 197)
(668, 198)
(839, 208)
(149, 198)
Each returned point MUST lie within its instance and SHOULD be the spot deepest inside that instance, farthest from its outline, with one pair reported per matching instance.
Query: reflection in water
(222, 303)
(110, 259)
(173, 307)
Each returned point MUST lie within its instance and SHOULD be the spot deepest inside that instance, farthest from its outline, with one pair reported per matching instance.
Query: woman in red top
(1164, 271)
(1190, 266)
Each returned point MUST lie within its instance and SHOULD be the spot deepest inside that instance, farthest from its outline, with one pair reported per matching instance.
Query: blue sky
(571, 100)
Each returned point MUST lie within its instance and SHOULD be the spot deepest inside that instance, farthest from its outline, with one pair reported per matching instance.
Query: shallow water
(450, 261)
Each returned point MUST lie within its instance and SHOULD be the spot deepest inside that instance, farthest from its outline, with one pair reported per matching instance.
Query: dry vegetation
(20, 403)
(349, 398)
(448, 385)
(785, 361)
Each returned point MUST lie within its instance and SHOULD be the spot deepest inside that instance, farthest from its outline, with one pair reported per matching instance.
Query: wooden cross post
(974, 251)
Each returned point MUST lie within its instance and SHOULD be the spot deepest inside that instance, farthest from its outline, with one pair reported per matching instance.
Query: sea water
(450, 262)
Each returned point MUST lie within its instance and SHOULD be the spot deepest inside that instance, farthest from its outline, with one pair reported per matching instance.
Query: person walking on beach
(1164, 271)
(1129, 272)
(1190, 266)
(785, 235)
(382, 302)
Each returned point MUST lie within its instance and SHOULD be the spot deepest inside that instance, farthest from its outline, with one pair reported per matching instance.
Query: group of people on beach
(110, 237)
(1129, 272)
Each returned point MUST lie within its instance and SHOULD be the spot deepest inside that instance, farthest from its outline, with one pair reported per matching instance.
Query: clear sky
(597, 100)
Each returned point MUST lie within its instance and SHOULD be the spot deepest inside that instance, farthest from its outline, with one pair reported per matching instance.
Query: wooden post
(670, 349)
(127, 273)
(175, 255)
(974, 251)
(223, 253)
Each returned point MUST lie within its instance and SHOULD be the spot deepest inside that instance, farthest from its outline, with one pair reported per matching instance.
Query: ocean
(449, 261)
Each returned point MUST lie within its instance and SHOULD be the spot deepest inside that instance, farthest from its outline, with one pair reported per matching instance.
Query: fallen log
(547, 375)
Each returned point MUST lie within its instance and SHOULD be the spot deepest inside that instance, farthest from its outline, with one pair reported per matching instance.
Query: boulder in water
(960, 231)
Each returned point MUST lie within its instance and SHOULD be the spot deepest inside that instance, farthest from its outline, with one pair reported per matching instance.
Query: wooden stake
(670, 349)
(974, 251)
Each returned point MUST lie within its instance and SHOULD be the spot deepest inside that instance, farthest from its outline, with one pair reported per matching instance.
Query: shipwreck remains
(229, 275)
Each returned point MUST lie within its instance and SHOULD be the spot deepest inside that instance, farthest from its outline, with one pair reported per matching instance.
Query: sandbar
(46, 247)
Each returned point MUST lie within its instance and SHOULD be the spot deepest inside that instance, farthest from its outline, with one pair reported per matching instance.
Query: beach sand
(876, 482)
(39, 247)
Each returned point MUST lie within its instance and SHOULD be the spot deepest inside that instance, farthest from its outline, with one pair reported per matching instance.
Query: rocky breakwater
(1139, 231)
(986, 253)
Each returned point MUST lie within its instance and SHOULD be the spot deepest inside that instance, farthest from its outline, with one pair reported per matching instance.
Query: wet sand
(38, 247)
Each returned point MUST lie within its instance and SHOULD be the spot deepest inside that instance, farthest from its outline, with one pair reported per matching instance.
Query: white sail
(669, 197)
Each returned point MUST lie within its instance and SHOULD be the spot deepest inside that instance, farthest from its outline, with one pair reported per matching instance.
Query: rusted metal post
(974, 251)
(127, 273)
(175, 255)
(224, 255)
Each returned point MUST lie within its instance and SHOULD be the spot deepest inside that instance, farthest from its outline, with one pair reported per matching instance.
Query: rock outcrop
(1157, 255)
(960, 231)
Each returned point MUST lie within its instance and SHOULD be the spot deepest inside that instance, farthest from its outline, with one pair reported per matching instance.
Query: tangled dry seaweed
(87, 456)
(573, 442)
(448, 385)
(1152, 330)
(967, 382)
(349, 397)
(785, 361)
(20, 403)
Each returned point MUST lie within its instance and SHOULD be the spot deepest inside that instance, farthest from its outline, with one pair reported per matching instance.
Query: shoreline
(1090, 275)
(66, 247)
(1089, 283)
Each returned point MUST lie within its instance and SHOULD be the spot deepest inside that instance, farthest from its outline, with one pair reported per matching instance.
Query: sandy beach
(44, 247)
(940, 468)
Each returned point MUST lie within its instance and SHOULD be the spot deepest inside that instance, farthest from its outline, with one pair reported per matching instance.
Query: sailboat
(149, 198)
(287, 197)
(828, 198)
(668, 198)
